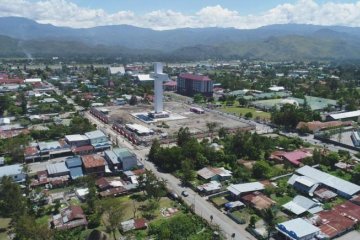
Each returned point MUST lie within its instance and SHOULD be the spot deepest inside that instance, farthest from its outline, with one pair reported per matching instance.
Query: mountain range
(21, 37)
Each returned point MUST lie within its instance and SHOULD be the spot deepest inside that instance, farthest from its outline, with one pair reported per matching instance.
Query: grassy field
(240, 110)
(221, 200)
(281, 200)
(4, 224)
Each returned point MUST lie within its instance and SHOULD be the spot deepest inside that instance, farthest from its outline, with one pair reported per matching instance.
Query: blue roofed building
(75, 166)
(14, 171)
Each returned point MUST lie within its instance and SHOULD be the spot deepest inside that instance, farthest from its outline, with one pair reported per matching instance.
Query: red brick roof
(195, 77)
(92, 161)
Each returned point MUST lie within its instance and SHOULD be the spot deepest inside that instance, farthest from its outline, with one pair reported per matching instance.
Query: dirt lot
(195, 122)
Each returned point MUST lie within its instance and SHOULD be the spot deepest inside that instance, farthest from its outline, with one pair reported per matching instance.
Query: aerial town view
(179, 120)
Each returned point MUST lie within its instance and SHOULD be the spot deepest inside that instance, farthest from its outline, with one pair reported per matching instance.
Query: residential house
(57, 169)
(133, 224)
(121, 159)
(239, 189)
(98, 140)
(77, 140)
(214, 174)
(54, 148)
(300, 205)
(74, 165)
(294, 157)
(93, 164)
(15, 171)
(69, 218)
(297, 229)
(209, 188)
(339, 220)
(257, 200)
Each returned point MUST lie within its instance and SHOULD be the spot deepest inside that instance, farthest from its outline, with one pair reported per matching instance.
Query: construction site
(142, 131)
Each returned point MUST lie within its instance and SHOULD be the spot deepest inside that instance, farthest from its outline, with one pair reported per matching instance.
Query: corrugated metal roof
(329, 180)
(237, 189)
(76, 172)
(55, 168)
(73, 161)
(11, 170)
(297, 227)
(95, 134)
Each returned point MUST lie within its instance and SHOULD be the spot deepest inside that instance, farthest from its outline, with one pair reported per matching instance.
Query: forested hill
(20, 37)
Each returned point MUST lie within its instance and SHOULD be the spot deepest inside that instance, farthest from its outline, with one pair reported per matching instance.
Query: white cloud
(66, 13)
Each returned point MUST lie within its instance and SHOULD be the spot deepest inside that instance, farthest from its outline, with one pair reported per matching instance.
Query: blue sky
(171, 14)
(189, 6)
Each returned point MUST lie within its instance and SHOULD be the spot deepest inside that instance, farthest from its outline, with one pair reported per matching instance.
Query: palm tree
(269, 216)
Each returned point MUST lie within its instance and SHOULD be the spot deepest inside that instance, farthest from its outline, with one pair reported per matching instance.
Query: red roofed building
(339, 220)
(70, 217)
(4, 79)
(170, 86)
(93, 164)
(294, 157)
(191, 84)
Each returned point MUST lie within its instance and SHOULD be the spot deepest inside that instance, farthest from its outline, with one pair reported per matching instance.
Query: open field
(195, 122)
(242, 111)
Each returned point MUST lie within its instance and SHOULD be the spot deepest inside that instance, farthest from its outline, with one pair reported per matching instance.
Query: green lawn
(240, 110)
(221, 200)
(281, 200)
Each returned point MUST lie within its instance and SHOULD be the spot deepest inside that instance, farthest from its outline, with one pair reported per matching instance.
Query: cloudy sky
(170, 14)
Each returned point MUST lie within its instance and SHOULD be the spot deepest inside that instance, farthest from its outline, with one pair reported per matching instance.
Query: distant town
(238, 149)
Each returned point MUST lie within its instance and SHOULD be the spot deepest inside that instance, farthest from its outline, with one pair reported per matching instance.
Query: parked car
(185, 193)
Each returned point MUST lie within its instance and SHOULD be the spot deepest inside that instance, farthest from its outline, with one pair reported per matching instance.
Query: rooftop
(343, 115)
(329, 180)
(258, 200)
(55, 168)
(11, 170)
(122, 153)
(75, 138)
(95, 134)
(299, 205)
(92, 161)
(73, 161)
(209, 172)
(195, 77)
(238, 189)
(297, 228)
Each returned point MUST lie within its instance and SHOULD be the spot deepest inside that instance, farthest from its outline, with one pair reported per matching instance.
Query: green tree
(12, 202)
(150, 207)
(198, 98)
(187, 171)
(261, 169)
(26, 228)
(152, 186)
(183, 136)
(155, 148)
(248, 115)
